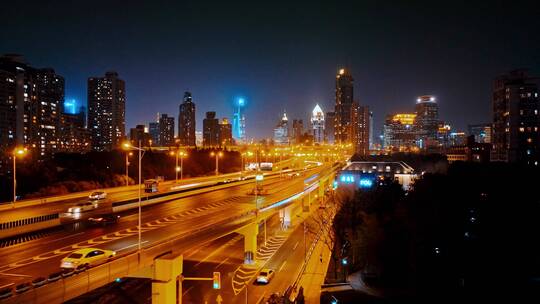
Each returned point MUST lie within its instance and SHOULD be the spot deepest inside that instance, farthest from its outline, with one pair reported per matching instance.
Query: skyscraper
(317, 124)
(360, 122)
(210, 130)
(106, 111)
(399, 132)
(281, 131)
(329, 129)
(166, 131)
(516, 118)
(153, 130)
(74, 136)
(344, 101)
(239, 121)
(225, 133)
(31, 103)
(186, 121)
(427, 120)
(297, 130)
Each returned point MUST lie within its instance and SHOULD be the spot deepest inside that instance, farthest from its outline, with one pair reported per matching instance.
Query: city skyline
(217, 82)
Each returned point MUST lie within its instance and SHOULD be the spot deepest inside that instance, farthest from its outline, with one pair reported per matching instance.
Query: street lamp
(180, 169)
(18, 152)
(128, 146)
(217, 155)
(127, 166)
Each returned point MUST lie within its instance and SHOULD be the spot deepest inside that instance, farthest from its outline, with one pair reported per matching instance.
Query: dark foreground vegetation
(471, 233)
(67, 173)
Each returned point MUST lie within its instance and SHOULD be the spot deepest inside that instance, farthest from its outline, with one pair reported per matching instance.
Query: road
(62, 203)
(41, 257)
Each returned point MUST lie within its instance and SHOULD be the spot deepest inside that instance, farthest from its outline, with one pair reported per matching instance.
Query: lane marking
(136, 244)
(284, 262)
(295, 245)
(261, 298)
(15, 275)
(187, 290)
(221, 263)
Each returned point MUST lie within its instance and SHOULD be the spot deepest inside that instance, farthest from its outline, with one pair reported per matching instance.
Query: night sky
(280, 55)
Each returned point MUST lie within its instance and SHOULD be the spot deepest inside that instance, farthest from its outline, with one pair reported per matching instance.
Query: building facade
(317, 125)
(329, 129)
(225, 137)
(427, 120)
(186, 121)
(153, 130)
(399, 132)
(343, 107)
(106, 111)
(166, 130)
(297, 130)
(31, 104)
(139, 134)
(281, 131)
(211, 130)
(239, 121)
(516, 119)
(360, 123)
(481, 132)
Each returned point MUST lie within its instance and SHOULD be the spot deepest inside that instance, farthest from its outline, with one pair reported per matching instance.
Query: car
(40, 281)
(87, 257)
(265, 275)
(5, 293)
(97, 195)
(23, 287)
(53, 277)
(104, 219)
(82, 207)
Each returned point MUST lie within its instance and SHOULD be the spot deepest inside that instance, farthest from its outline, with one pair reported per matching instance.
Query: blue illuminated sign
(70, 106)
(366, 183)
(241, 102)
(347, 179)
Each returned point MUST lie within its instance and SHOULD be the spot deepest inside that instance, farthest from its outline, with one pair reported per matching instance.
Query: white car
(82, 207)
(98, 195)
(86, 257)
(265, 276)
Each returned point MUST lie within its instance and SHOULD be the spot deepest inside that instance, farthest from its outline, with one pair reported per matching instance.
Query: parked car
(265, 275)
(87, 257)
(23, 287)
(5, 293)
(104, 219)
(37, 282)
(97, 195)
(53, 277)
(82, 207)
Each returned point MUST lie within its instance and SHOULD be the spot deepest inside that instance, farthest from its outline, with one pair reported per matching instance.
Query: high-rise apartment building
(317, 125)
(210, 130)
(360, 122)
(74, 136)
(153, 130)
(343, 107)
(139, 134)
(186, 121)
(329, 129)
(225, 137)
(166, 131)
(31, 103)
(106, 111)
(297, 130)
(516, 118)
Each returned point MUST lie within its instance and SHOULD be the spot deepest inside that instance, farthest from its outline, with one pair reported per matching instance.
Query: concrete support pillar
(166, 271)
(287, 216)
(250, 242)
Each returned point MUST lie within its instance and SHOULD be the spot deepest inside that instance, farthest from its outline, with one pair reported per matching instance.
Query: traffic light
(217, 280)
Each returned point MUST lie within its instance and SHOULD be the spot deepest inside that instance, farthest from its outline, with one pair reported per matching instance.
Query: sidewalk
(315, 273)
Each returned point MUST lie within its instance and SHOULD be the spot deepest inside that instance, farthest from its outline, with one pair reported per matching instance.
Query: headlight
(76, 210)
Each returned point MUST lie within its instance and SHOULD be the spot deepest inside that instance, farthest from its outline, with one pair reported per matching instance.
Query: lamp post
(217, 155)
(182, 154)
(127, 166)
(129, 146)
(17, 152)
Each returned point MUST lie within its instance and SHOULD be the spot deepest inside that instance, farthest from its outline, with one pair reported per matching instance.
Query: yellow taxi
(86, 257)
